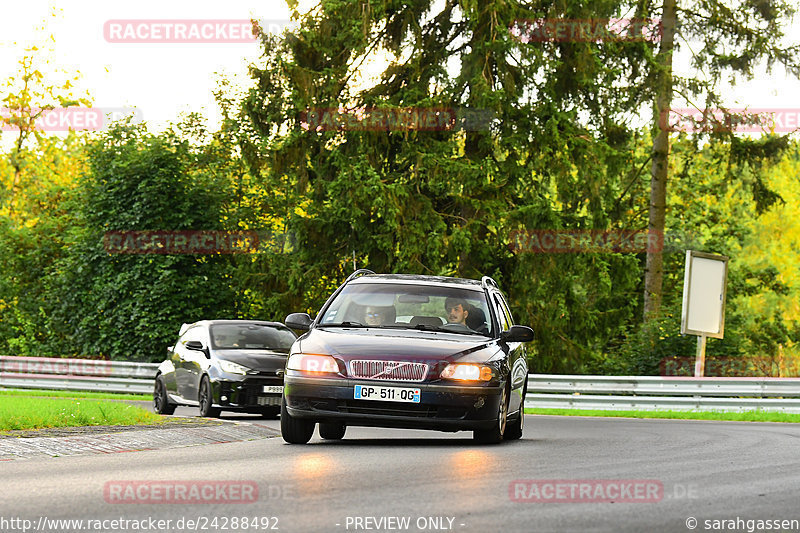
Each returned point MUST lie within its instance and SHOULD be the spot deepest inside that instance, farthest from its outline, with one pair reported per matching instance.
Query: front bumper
(247, 394)
(443, 406)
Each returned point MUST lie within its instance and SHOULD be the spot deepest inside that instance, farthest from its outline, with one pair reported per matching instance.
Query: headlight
(309, 362)
(233, 368)
(467, 372)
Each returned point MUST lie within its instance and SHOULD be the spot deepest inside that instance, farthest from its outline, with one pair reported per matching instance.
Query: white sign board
(704, 286)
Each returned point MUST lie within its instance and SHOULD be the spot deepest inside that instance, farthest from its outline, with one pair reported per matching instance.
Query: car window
(407, 305)
(251, 337)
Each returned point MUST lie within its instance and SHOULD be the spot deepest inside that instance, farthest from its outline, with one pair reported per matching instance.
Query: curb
(132, 439)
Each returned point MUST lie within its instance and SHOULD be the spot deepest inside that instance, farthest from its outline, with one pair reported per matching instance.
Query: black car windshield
(415, 306)
(251, 337)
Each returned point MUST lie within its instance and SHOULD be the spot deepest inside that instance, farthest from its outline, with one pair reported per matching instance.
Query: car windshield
(415, 306)
(251, 337)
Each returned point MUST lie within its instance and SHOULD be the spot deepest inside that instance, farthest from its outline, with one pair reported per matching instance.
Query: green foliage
(32, 240)
(446, 202)
(713, 209)
(560, 153)
(76, 394)
(129, 306)
(19, 412)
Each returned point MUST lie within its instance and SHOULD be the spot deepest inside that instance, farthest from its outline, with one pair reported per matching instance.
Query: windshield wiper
(445, 329)
(427, 327)
(345, 324)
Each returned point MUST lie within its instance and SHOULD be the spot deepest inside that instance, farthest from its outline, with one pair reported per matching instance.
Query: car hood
(397, 345)
(263, 360)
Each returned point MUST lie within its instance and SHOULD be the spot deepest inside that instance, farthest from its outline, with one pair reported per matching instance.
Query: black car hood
(396, 344)
(263, 360)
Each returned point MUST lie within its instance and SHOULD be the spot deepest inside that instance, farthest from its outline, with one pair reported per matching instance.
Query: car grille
(388, 370)
(381, 408)
(252, 390)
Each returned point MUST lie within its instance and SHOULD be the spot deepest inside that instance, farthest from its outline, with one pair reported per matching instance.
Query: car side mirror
(517, 334)
(198, 347)
(299, 321)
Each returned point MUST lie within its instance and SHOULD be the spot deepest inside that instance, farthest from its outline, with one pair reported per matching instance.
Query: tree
(733, 40)
(130, 306)
(33, 240)
(31, 93)
(718, 212)
(447, 202)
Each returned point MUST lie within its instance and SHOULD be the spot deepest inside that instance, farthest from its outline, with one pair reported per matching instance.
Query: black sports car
(407, 351)
(232, 365)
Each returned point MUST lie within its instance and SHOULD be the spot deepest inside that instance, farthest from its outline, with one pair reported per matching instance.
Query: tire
(161, 403)
(270, 411)
(332, 430)
(514, 427)
(206, 399)
(295, 430)
(495, 434)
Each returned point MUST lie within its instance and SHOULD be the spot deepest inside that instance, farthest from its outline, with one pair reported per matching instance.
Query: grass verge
(75, 394)
(749, 416)
(20, 412)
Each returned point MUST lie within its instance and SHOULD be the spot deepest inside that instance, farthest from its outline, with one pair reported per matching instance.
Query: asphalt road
(429, 481)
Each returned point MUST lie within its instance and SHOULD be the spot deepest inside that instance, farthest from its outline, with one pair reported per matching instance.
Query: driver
(220, 340)
(376, 316)
(457, 311)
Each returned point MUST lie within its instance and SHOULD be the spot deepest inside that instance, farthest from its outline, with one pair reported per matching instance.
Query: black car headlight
(233, 368)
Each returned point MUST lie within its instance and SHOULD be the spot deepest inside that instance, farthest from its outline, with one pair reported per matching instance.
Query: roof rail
(358, 273)
(486, 281)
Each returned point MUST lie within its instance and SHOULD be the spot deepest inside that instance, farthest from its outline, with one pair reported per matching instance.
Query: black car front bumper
(443, 406)
(247, 394)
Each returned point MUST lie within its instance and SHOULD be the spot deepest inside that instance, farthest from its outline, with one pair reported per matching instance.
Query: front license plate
(386, 394)
(277, 389)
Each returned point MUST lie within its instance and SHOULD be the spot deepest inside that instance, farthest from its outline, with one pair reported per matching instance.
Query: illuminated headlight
(308, 362)
(233, 368)
(467, 372)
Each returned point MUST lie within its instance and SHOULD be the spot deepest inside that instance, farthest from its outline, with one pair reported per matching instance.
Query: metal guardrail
(76, 374)
(544, 390)
(647, 393)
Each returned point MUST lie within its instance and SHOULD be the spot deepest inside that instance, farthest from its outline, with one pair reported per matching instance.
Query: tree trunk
(481, 69)
(654, 273)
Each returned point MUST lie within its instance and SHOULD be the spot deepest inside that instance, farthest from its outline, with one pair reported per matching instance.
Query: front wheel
(295, 430)
(495, 434)
(161, 403)
(206, 399)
